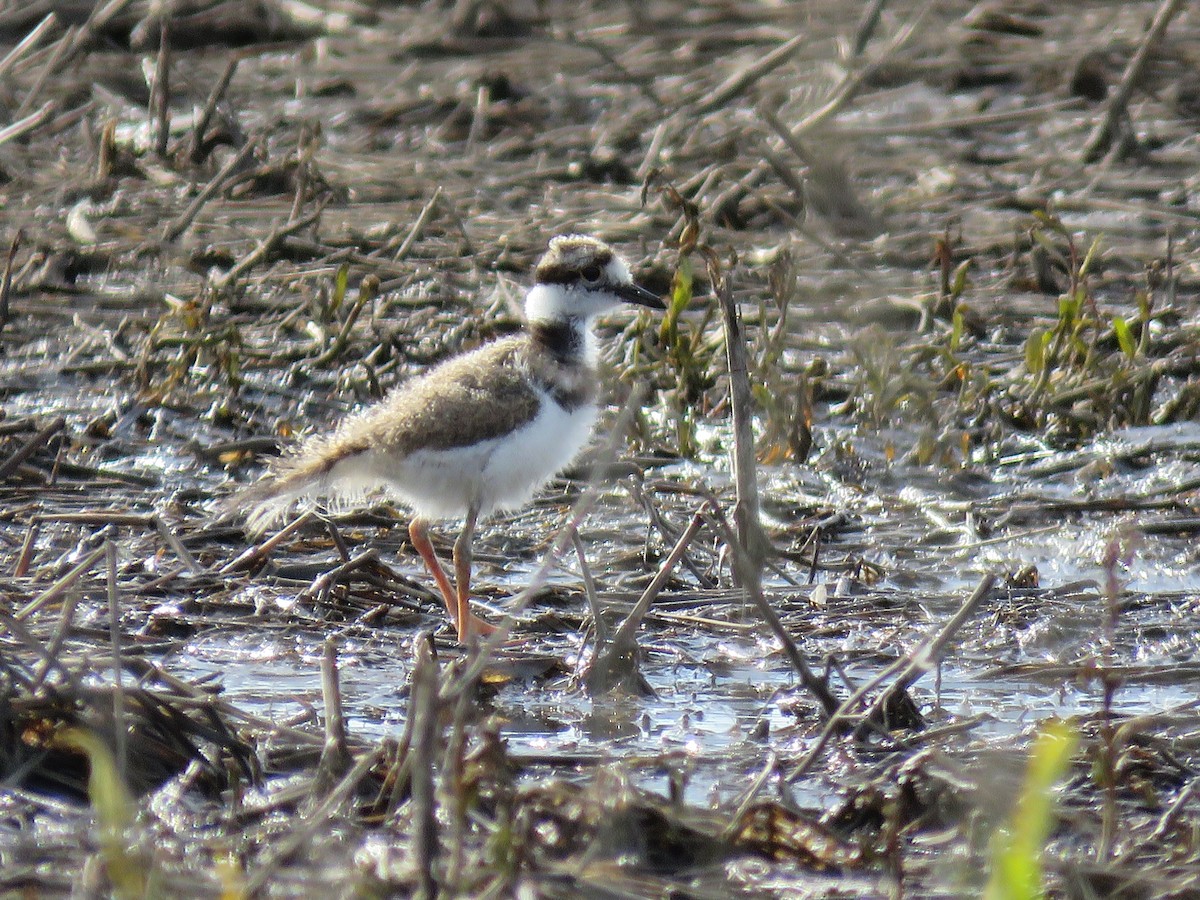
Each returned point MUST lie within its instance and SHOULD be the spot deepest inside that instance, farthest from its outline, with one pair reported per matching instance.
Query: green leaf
(1143, 305)
(1054, 223)
(1086, 265)
(114, 808)
(1035, 351)
(1124, 336)
(681, 296)
(113, 805)
(1016, 853)
(1069, 306)
(681, 286)
(339, 288)
(1044, 241)
(959, 283)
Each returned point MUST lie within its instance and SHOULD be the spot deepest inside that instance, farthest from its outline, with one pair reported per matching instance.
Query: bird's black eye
(590, 273)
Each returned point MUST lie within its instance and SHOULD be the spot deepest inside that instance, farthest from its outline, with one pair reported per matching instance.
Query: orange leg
(457, 601)
(418, 533)
(471, 624)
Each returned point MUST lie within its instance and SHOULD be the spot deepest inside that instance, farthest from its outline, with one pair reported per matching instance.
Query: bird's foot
(475, 628)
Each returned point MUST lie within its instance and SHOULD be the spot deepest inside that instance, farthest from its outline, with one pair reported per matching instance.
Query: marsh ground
(972, 321)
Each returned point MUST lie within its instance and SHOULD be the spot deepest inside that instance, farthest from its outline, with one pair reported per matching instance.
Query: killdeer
(477, 433)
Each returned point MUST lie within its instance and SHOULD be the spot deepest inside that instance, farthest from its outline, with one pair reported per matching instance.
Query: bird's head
(580, 277)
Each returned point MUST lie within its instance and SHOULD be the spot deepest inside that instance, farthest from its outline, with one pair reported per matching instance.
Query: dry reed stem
(60, 53)
(617, 664)
(56, 590)
(749, 545)
(335, 754)
(196, 146)
(252, 556)
(753, 542)
(423, 709)
(867, 23)
(6, 279)
(265, 247)
(120, 724)
(181, 223)
(853, 82)
(909, 663)
(177, 547)
(1117, 105)
(14, 56)
(326, 581)
(31, 446)
(17, 629)
(929, 654)
(28, 123)
(160, 91)
(749, 796)
(415, 231)
(740, 82)
(599, 627)
(66, 621)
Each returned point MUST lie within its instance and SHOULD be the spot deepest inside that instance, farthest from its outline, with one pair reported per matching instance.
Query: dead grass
(963, 242)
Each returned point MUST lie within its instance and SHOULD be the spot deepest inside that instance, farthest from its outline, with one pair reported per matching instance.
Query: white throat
(556, 305)
(557, 302)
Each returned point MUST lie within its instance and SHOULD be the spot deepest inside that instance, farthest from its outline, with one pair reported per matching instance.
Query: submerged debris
(971, 358)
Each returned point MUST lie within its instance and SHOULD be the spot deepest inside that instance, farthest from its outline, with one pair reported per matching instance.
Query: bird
(478, 433)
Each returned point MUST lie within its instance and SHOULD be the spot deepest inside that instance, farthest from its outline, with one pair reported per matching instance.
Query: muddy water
(725, 694)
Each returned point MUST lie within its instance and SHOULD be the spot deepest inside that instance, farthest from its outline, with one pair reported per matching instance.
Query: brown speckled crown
(568, 256)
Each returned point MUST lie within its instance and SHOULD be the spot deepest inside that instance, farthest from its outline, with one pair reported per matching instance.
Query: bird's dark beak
(631, 293)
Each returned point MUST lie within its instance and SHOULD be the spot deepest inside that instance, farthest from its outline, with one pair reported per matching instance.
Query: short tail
(264, 503)
(320, 469)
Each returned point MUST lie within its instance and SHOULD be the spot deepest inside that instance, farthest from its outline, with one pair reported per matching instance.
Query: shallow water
(725, 693)
(931, 533)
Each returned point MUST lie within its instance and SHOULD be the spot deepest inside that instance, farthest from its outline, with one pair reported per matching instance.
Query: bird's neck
(555, 330)
(568, 341)
(562, 359)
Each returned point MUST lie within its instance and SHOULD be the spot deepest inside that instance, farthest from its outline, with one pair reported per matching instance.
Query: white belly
(501, 473)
